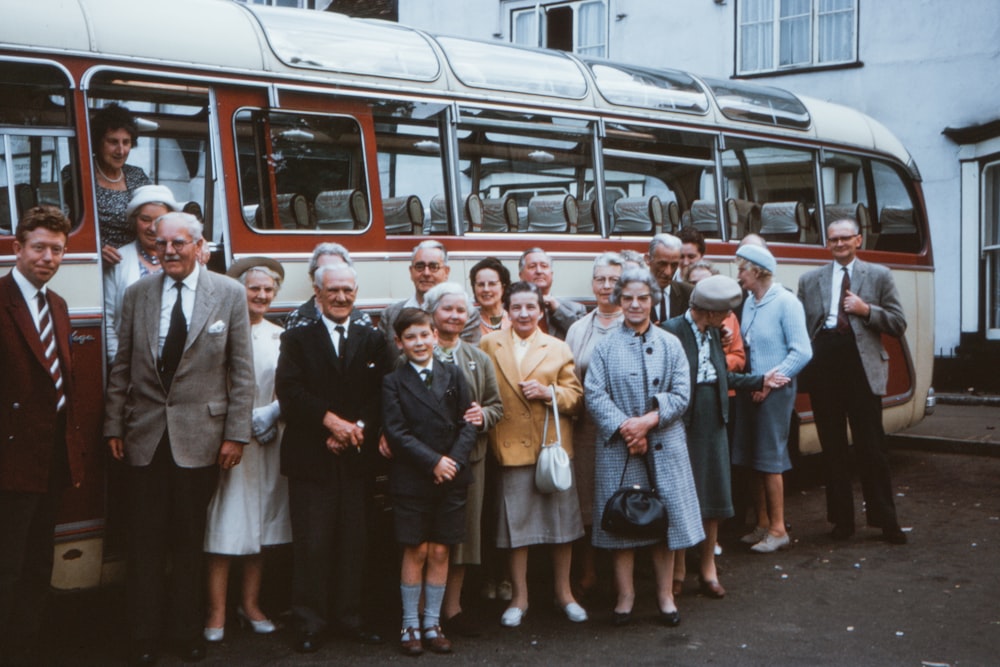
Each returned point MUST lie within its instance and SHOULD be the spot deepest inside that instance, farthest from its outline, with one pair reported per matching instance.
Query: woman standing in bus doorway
(774, 331)
(113, 134)
(582, 337)
(250, 507)
(638, 388)
(528, 364)
(490, 281)
(138, 259)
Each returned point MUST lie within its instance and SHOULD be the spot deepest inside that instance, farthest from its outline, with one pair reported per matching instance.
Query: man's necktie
(46, 333)
(173, 344)
(341, 343)
(663, 308)
(427, 377)
(843, 323)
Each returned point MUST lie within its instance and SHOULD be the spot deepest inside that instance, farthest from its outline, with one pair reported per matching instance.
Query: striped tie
(49, 345)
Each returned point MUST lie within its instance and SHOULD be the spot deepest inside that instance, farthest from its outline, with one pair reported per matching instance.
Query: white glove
(265, 422)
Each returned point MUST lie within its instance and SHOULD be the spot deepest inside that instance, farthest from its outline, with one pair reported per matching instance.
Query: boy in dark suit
(423, 407)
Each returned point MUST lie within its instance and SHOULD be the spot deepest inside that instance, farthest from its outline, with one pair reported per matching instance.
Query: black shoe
(671, 619)
(462, 625)
(841, 532)
(307, 642)
(894, 535)
(143, 653)
(621, 618)
(191, 651)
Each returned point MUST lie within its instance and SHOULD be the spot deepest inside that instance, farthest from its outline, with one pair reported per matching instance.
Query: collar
(849, 266)
(523, 342)
(28, 291)
(331, 326)
(190, 281)
(418, 368)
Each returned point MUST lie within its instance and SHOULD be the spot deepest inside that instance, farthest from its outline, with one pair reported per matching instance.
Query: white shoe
(264, 627)
(513, 616)
(770, 544)
(754, 536)
(214, 634)
(575, 612)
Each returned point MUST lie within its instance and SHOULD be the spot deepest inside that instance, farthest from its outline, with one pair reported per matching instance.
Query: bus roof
(324, 46)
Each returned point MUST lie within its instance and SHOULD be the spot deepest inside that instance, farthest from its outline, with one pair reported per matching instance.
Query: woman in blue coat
(637, 391)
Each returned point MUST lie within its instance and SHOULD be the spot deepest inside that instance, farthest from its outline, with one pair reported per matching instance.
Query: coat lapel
(535, 355)
(432, 397)
(19, 312)
(204, 306)
(507, 365)
(148, 313)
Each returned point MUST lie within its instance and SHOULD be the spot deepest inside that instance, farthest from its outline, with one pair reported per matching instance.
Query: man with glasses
(428, 267)
(179, 405)
(535, 266)
(849, 304)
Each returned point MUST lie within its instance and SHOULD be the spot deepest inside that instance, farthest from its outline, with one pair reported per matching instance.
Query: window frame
(540, 11)
(990, 252)
(775, 22)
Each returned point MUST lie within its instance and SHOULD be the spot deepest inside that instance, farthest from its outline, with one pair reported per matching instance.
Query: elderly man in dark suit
(329, 384)
(535, 266)
(179, 404)
(849, 304)
(664, 258)
(42, 449)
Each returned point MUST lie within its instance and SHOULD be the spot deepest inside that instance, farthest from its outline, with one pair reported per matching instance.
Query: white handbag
(553, 471)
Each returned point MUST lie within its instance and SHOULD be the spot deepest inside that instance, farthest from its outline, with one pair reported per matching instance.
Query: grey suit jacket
(211, 397)
(873, 283)
(562, 318)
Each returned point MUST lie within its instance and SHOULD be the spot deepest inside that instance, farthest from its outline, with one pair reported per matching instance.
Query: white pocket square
(217, 327)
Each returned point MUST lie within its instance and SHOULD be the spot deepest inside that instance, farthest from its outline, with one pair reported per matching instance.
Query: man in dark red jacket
(41, 450)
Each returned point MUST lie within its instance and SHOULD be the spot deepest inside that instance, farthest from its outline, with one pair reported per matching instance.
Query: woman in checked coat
(637, 390)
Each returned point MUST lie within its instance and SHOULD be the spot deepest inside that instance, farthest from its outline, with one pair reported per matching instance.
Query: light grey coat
(630, 375)
(872, 283)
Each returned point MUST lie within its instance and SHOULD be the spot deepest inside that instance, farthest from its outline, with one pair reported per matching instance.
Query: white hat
(717, 294)
(151, 194)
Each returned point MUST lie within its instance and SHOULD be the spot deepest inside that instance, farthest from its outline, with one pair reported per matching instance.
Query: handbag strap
(649, 473)
(555, 412)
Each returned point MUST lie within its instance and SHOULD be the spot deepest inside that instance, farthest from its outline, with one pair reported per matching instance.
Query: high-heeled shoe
(214, 635)
(262, 627)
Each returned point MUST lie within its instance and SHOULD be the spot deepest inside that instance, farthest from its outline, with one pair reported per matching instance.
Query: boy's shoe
(409, 642)
(435, 640)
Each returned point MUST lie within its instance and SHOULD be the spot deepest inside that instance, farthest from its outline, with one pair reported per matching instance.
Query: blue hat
(759, 256)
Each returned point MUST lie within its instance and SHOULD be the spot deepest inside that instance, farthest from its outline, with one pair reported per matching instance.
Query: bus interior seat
(48, 195)
(437, 220)
(671, 217)
(499, 215)
(743, 217)
(703, 216)
(587, 217)
(638, 215)
(897, 230)
(194, 208)
(403, 215)
(784, 221)
(855, 211)
(552, 214)
(293, 211)
(341, 210)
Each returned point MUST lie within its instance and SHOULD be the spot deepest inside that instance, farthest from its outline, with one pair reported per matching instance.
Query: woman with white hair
(250, 507)
(138, 259)
(449, 305)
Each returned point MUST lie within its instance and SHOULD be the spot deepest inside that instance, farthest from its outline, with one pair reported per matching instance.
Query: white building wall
(926, 65)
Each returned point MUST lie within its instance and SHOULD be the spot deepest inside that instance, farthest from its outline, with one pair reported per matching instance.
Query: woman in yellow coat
(527, 363)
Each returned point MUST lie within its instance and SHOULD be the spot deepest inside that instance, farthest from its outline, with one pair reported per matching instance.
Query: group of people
(238, 435)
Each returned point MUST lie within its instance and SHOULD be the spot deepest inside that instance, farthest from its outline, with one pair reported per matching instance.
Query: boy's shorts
(439, 518)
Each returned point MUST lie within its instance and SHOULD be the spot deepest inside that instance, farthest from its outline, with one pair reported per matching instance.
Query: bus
(290, 127)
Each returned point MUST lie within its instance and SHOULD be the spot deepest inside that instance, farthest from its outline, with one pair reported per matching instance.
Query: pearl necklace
(152, 259)
(105, 176)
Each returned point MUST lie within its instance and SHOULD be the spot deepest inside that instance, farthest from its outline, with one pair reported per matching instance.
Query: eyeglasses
(176, 244)
(420, 267)
(841, 239)
(604, 280)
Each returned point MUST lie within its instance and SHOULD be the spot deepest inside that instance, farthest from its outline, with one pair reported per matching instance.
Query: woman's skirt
(526, 517)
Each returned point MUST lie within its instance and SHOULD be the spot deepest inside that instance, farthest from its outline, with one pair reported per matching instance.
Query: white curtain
(591, 20)
(836, 31)
(756, 35)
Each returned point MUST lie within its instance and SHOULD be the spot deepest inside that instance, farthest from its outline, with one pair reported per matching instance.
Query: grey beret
(759, 256)
(717, 293)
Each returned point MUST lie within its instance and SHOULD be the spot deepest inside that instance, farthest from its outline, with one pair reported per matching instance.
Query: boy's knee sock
(411, 605)
(433, 596)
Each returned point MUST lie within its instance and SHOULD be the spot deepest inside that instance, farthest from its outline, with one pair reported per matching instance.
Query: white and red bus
(289, 128)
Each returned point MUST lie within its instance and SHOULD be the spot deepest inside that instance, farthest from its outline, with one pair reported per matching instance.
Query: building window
(778, 35)
(991, 247)
(579, 27)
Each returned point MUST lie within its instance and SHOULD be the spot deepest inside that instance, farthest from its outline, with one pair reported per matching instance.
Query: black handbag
(633, 511)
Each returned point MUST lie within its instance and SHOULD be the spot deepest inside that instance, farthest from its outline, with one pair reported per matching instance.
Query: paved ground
(863, 602)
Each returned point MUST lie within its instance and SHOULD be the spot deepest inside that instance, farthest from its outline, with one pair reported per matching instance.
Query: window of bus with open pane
(37, 147)
(532, 172)
(770, 190)
(658, 179)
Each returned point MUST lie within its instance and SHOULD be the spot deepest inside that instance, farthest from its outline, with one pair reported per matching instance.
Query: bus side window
(898, 229)
(36, 143)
